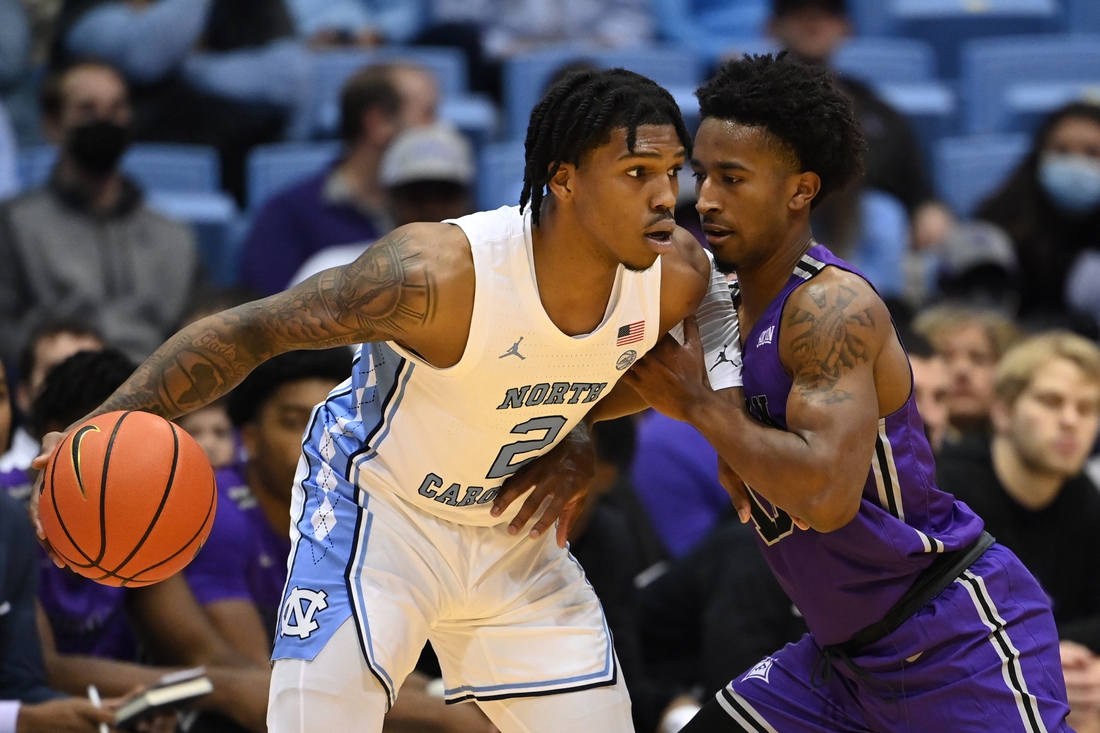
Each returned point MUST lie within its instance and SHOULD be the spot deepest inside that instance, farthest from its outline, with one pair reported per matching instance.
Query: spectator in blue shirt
(344, 204)
(357, 22)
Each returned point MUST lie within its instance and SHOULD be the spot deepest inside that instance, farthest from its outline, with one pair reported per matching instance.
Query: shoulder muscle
(831, 326)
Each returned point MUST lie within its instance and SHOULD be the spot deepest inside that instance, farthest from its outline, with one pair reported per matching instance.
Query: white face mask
(1071, 181)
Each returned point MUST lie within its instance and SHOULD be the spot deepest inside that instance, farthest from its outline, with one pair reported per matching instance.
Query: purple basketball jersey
(846, 580)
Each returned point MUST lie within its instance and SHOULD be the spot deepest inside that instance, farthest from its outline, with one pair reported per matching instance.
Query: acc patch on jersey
(626, 359)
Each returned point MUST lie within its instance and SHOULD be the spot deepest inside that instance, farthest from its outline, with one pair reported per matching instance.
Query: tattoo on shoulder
(388, 287)
(830, 336)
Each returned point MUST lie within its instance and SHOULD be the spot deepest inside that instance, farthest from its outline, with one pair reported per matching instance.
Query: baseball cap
(431, 153)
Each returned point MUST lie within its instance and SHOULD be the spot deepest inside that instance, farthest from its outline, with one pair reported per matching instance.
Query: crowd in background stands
(999, 315)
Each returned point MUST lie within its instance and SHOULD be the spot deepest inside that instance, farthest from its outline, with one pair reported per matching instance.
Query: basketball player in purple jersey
(918, 621)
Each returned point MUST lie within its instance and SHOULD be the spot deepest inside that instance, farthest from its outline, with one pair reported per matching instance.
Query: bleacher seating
(1082, 16)
(155, 166)
(886, 60)
(1005, 79)
(331, 69)
(526, 75)
(274, 167)
(968, 169)
(947, 24)
(500, 175)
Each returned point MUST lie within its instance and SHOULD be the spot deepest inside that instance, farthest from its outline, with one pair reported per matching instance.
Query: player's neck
(575, 275)
(275, 507)
(762, 283)
(1028, 486)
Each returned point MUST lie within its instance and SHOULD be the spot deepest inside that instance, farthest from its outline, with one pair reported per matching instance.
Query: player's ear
(562, 184)
(807, 187)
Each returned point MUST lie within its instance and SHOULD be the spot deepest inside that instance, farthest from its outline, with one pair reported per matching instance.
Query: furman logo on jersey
(545, 393)
(761, 671)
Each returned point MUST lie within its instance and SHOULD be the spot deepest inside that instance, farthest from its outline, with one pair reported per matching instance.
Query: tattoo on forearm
(385, 293)
(828, 340)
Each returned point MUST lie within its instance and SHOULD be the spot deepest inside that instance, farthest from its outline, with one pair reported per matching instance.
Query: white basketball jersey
(446, 439)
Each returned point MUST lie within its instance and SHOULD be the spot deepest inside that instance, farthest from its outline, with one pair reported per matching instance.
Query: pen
(93, 696)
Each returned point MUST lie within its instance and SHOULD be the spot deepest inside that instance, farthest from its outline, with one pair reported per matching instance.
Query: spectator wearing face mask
(85, 245)
(1050, 209)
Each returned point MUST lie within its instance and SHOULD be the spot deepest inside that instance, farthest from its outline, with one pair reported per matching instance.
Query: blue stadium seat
(947, 24)
(162, 167)
(1082, 16)
(272, 168)
(1028, 103)
(903, 73)
(154, 166)
(526, 75)
(993, 68)
(34, 164)
(968, 169)
(331, 69)
(887, 60)
(214, 217)
(500, 178)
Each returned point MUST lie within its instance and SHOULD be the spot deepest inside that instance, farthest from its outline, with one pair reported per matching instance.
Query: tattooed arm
(392, 292)
(833, 333)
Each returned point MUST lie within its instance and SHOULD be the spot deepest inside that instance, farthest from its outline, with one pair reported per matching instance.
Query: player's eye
(674, 171)
(698, 175)
(635, 172)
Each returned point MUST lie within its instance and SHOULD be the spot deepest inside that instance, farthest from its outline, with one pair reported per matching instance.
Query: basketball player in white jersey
(487, 340)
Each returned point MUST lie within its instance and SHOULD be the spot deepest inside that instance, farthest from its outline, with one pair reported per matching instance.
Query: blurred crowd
(997, 307)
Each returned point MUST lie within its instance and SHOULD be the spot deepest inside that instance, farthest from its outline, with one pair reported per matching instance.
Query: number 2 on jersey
(503, 465)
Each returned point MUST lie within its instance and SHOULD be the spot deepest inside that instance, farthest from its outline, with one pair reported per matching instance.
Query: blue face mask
(1071, 181)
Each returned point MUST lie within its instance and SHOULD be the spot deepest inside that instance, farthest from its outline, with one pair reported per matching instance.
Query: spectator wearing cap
(346, 203)
(978, 265)
(1050, 209)
(428, 173)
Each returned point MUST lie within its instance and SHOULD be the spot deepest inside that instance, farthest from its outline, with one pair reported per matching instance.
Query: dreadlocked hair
(578, 114)
(799, 105)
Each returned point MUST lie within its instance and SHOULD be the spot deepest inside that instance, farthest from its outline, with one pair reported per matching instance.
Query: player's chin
(639, 263)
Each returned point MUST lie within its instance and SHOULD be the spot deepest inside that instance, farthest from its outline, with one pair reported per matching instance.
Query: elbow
(830, 509)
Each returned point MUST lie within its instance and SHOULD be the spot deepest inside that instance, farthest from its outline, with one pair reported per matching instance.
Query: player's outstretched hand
(672, 378)
(49, 444)
(562, 475)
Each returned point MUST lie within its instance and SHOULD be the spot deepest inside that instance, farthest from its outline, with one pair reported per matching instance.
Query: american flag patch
(631, 334)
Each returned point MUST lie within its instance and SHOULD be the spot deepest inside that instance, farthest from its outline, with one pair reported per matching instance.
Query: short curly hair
(799, 105)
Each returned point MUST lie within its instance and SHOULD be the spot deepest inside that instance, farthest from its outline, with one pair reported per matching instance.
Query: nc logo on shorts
(301, 606)
(627, 358)
(760, 671)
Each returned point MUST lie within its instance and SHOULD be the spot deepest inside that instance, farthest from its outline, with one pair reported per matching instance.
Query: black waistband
(929, 584)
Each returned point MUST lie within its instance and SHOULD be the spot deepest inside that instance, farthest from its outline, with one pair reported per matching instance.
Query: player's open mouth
(660, 240)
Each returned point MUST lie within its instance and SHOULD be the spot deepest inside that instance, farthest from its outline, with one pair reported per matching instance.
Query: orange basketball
(128, 499)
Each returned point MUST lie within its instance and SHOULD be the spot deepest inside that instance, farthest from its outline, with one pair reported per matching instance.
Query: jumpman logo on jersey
(514, 351)
(723, 358)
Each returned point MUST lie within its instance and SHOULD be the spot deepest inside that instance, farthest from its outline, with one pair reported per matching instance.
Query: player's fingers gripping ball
(128, 499)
